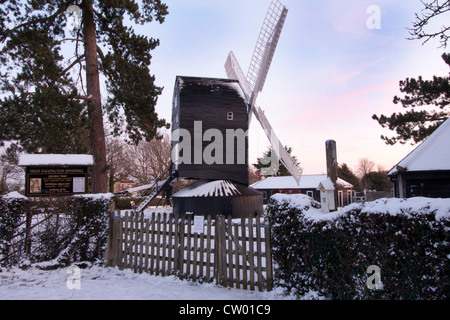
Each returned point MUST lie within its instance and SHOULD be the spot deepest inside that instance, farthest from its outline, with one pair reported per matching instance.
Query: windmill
(253, 83)
(204, 111)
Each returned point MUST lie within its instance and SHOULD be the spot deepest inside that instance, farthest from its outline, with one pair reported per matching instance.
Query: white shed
(326, 189)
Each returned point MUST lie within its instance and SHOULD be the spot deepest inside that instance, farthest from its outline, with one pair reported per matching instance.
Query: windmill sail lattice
(253, 83)
(265, 46)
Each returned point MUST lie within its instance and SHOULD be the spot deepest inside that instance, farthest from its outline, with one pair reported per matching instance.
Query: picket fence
(230, 252)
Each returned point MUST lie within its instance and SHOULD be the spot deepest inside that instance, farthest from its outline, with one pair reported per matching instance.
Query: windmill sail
(265, 47)
(277, 146)
(253, 83)
(234, 71)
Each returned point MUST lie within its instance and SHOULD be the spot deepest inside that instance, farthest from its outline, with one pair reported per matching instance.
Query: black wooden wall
(215, 104)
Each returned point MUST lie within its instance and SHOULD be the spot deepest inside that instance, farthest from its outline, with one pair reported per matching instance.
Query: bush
(330, 253)
(64, 229)
(12, 207)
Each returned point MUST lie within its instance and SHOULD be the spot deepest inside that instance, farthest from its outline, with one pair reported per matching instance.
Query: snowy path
(111, 283)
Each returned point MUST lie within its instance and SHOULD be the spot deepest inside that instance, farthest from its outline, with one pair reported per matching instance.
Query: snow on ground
(99, 282)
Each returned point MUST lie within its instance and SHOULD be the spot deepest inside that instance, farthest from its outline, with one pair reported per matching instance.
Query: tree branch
(50, 18)
(85, 98)
(430, 11)
(73, 63)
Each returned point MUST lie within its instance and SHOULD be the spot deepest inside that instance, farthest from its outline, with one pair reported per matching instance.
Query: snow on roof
(232, 84)
(56, 160)
(288, 182)
(432, 154)
(204, 188)
(327, 184)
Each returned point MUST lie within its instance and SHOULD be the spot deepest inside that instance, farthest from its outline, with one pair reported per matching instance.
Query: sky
(331, 71)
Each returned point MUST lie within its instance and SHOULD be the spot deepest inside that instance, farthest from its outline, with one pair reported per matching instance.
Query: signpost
(55, 175)
(43, 181)
(198, 224)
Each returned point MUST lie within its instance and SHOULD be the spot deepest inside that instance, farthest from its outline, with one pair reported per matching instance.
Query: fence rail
(231, 252)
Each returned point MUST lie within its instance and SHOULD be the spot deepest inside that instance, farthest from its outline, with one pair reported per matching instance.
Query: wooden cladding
(202, 105)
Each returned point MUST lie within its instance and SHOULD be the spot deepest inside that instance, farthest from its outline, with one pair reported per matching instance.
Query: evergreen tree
(345, 173)
(378, 180)
(418, 125)
(267, 155)
(414, 124)
(47, 106)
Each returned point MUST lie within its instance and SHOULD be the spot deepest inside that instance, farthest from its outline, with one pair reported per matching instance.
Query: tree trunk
(96, 131)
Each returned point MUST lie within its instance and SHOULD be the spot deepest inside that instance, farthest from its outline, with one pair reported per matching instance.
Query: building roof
(433, 154)
(288, 182)
(326, 184)
(26, 160)
(197, 85)
(216, 188)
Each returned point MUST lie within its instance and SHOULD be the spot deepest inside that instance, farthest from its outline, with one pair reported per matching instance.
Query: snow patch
(218, 188)
(102, 283)
(95, 196)
(393, 206)
(56, 160)
(14, 195)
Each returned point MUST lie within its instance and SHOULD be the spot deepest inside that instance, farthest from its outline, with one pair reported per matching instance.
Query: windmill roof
(432, 154)
(288, 182)
(210, 85)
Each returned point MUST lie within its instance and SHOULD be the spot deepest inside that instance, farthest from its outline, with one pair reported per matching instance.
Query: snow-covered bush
(330, 253)
(63, 229)
(12, 206)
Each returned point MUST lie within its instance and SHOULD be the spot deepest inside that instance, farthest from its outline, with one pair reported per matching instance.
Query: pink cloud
(316, 110)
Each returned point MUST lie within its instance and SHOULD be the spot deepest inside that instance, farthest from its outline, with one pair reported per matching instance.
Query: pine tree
(263, 162)
(414, 124)
(345, 173)
(47, 106)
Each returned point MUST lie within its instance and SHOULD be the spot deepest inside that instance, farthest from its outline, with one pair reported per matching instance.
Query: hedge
(331, 253)
(65, 229)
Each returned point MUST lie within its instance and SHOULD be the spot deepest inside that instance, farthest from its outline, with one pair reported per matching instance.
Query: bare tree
(432, 9)
(11, 175)
(148, 159)
(253, 174)
(116, 151)
(365, 166)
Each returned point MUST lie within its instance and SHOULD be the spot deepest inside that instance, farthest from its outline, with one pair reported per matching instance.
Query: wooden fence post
(269, 269)
(29, 217)
(241, 254)
(110, 251)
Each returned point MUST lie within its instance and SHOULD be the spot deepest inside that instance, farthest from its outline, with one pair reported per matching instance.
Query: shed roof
(433, 154)
(26, 160)
(326, 184)
(216, 188)
(288, 182)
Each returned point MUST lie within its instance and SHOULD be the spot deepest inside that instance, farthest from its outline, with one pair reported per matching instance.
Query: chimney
(330, 146)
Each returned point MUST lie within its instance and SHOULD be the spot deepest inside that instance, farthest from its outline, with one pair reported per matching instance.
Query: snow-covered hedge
(330, 253)
(64, 229)
(12, 207)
